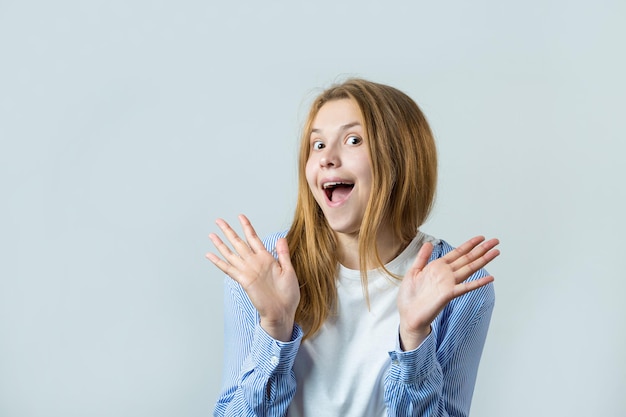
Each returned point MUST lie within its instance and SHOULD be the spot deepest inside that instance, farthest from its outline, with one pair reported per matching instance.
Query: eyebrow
(341, 128)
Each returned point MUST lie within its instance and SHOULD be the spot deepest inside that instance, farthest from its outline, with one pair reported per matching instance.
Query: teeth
(334, 184)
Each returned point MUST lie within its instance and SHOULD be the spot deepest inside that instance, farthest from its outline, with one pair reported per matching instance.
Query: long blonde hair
(404, 174)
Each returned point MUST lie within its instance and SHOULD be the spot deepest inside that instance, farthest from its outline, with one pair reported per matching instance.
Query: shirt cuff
(272, 356)
(412, 366)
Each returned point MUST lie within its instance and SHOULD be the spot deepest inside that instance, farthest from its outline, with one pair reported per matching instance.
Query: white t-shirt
(340, 371)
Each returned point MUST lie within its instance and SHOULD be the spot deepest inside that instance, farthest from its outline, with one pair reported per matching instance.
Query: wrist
(279, 330)
(411, 339)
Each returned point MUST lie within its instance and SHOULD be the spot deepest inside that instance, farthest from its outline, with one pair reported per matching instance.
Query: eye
(354, 140)
(318, 144)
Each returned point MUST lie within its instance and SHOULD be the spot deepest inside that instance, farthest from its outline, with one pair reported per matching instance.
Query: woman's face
(339, 170)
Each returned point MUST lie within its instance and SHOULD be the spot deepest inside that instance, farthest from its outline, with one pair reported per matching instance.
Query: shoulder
(477, 300)
(441, 248)
(270, 245)
(465, 317)
(270, 241)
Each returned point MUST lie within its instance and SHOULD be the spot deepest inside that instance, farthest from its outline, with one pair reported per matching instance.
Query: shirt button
(274, 360)
(395, 361)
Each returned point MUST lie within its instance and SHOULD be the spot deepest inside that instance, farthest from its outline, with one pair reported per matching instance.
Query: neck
(348, 247)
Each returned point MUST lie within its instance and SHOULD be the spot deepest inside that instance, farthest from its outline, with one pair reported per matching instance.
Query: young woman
(354, 311)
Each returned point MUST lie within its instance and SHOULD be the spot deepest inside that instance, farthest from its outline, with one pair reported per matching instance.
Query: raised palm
(271, 284)
(428, 287)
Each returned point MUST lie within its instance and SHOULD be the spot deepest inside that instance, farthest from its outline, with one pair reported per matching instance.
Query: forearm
(258, 378)
(438, 378)
(266, 383)
(414, 383)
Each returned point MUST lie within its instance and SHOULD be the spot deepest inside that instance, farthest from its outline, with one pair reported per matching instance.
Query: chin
(344, 228)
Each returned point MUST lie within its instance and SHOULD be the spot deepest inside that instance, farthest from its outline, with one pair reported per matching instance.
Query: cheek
(309, 172)
(365, 173)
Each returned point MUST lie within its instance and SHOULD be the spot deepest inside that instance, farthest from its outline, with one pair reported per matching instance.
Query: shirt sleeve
(258, 370)
(438, 378)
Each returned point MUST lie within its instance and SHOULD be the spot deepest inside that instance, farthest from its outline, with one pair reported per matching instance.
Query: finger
(282, 249)
(251, 236)
(466, 271)
(474, 254)
(463, 249)
(468, 286)
(423, 255)
(238, 243)
(224, 266)
(224, 249)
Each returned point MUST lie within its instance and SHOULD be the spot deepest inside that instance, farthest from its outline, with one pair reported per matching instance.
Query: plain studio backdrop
(128, 127)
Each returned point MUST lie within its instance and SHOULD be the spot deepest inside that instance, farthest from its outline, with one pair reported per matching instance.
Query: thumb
(422, 257)
(282, 249)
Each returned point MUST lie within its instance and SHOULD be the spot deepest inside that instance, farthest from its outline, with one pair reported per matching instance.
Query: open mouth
(337, 191)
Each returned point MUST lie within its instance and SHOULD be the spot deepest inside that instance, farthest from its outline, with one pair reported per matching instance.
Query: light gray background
(127, 127)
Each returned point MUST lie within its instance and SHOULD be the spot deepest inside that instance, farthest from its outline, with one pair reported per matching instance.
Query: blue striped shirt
(436, 379)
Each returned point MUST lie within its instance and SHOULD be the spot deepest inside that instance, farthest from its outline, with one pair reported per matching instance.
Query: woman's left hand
(428, 287)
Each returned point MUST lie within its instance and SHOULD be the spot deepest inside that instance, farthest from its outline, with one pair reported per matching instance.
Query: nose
(330, 158)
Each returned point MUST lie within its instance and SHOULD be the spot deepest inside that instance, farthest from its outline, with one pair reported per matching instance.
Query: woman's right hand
(271, 285)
